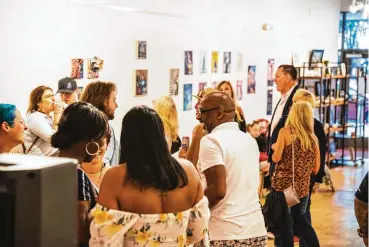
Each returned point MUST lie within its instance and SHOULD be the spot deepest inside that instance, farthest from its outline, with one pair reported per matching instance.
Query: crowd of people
(149, 190)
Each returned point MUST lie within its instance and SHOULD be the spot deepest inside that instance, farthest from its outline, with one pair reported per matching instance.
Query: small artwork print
(227, 60)
(251, 79)
(203, 62)
(214, 61)
(141, 82)
(239, 90)
(202, 86)
(214, 84)
(77, 68)
(239, 62)
(141, 49)
(187, 97)
(269, 101)
(173, 82)
(188, 63)
(270, 72)
(316, 57)
(95, 64)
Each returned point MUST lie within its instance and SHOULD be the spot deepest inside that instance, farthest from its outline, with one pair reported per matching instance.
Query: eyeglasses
(48, 96)
(202, 110)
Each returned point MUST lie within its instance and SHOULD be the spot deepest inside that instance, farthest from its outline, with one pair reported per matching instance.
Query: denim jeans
(297, 219)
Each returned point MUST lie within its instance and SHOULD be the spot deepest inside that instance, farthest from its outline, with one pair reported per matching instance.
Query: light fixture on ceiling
(359, 5)
(108, 4)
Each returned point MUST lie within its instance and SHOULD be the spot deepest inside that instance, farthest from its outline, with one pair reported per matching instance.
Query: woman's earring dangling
(97, 150)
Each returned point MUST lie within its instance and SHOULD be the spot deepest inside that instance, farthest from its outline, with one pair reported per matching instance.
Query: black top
(319, 132)
(86, 190)
(176, 145)
(262, 141)
(362, 192)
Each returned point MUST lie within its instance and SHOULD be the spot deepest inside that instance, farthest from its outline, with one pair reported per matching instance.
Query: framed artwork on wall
(141, 49)
(187, 97)
(77, 68)
(214, 62)
(203, 62)
(188, 63)
(316, 56)
(173, 82)
(251, 83)
(270, 72)
(141, 82)
(239, 90)
(227, 62)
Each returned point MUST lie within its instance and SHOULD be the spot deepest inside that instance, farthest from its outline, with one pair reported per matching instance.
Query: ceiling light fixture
(108, 5)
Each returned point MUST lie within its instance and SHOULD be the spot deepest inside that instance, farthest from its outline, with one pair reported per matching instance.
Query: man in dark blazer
(286, 82)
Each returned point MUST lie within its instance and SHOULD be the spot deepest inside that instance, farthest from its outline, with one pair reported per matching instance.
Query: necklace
(92, 175)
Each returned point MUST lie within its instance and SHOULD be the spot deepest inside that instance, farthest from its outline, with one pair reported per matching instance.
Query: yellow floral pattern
(113, 228)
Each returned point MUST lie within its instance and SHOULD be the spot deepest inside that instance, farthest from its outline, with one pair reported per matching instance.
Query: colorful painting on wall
(239, 90)
(227, 61)
(203, 62)
(269, 101)
(77, 68)
(141, 49)
(173, 82)
(214, 84)
(202, 86)
(95, 65)
(188, 63)
(214, 61)
(187, 97)
(141, 82)
(251, 83)
(270, 72)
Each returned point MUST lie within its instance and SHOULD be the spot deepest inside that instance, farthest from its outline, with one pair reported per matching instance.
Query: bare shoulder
(188, 167)
(115, 174)
(285, 131)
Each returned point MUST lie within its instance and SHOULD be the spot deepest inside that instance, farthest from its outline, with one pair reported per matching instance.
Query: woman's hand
(182, 153)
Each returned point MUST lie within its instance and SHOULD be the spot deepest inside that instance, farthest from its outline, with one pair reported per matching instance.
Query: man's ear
(5, 127)
(220, 114)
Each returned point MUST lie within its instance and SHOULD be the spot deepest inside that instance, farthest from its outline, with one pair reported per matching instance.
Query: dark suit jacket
(272, 137)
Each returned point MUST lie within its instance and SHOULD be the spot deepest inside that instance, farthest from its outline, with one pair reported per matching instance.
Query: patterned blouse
(304, 164)
(114, 228)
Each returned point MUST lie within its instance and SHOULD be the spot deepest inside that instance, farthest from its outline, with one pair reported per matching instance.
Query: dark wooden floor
(333, 213)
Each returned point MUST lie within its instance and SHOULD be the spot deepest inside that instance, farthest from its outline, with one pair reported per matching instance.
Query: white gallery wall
(39, 38)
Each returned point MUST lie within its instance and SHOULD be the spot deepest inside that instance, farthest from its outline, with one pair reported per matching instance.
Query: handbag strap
(25, 151)
(293, 160)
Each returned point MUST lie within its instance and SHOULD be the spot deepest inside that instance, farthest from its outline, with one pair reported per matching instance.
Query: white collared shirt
(279, 111)
(238, 215)
(39, 125)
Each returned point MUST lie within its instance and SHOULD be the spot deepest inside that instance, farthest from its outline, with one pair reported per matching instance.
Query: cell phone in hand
(185, 142)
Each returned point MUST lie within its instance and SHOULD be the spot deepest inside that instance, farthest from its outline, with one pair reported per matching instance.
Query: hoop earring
(97, 151)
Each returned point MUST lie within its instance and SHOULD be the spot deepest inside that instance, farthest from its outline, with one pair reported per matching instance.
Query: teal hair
(7, 114)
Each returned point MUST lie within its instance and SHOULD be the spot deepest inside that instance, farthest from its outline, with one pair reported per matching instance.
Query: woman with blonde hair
(226, 86)
(297, 155)
(167, 111)
(305, 95)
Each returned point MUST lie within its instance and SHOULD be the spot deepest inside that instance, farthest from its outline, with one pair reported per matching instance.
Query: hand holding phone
(185, 142)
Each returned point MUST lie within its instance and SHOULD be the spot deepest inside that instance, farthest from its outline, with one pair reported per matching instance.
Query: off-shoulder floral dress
(114, 228)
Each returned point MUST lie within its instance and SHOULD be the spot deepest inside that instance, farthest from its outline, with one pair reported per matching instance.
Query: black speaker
(38, 201)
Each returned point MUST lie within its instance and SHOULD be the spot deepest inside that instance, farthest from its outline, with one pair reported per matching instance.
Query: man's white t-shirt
(238, 215)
